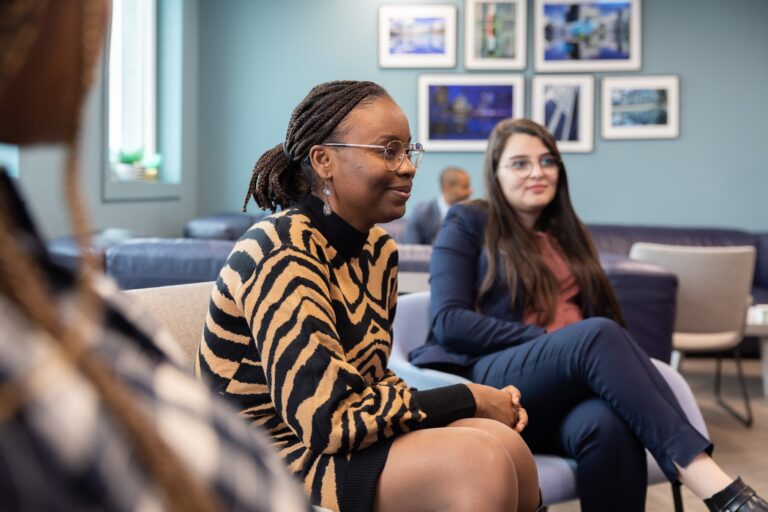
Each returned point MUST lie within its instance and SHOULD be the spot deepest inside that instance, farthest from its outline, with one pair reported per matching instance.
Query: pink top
(566, 312)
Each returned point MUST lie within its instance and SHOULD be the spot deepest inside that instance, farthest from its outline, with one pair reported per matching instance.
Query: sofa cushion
(65, 251)
(223, 226)
(149, 262)
(413, 257)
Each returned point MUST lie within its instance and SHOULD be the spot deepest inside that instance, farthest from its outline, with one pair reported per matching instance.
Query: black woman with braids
(95, 412)
(299, 328)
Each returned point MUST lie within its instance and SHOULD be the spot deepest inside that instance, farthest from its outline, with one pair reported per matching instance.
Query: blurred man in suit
(424, 222)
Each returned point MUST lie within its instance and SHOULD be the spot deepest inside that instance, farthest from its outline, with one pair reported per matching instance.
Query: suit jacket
(423, 224)
(461, 333)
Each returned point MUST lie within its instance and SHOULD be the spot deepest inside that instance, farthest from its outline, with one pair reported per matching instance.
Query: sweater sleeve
(317, 392)
(453, 281)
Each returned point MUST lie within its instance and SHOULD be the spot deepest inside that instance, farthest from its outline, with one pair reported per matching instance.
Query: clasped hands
(500, 404)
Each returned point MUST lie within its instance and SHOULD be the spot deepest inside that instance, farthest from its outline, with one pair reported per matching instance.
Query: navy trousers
(593, 395)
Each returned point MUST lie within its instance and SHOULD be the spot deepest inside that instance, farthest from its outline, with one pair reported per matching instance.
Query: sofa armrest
(646, 294)
(761, 263)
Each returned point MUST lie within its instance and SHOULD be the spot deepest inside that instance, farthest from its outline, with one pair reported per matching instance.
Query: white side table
(757, 325)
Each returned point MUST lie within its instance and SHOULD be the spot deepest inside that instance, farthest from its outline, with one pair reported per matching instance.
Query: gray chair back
(713, 283)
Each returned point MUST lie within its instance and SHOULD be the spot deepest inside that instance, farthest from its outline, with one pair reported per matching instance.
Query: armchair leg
(677, 497)
(746, 420)
(676, 359)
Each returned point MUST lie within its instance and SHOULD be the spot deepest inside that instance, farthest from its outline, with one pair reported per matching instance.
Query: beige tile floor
(740, 451)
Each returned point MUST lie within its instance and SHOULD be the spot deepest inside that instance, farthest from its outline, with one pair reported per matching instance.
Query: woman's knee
(450, 469)
(483, 459)
(600, 332)
(509, 439)
(522, 458)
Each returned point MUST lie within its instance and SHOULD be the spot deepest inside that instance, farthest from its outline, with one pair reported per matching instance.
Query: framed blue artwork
(587, 35)
(458, 112)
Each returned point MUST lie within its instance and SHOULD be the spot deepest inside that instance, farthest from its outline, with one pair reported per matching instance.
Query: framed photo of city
(587, 35)
(495, 34)
(458, 112)
(417, 36)
(565, 105)
(641, 107)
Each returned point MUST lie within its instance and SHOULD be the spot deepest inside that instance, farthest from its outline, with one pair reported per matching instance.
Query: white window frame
(9, 158)
(132, 65)
(156, 49)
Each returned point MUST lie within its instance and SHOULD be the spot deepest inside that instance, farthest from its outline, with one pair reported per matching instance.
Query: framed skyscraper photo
(565, 105)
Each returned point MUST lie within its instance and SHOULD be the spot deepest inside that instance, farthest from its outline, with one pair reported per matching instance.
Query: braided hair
(284, 174)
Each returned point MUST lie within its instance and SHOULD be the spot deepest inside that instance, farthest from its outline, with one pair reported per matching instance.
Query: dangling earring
(326, 202)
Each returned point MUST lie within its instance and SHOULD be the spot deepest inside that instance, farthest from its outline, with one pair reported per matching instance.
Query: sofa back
(181, 310)
(618, 239)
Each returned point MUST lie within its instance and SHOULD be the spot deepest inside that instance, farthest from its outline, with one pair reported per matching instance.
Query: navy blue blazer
(460, 335)
(423, 224)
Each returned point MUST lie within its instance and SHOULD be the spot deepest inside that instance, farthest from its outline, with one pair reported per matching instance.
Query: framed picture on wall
(458, 112)
(565, 104)
(495, 34)
(587, 35)
(641, 107)
(417, 36)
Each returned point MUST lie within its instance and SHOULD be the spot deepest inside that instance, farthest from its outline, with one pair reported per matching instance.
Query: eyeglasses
(394, 153)
(523, 167)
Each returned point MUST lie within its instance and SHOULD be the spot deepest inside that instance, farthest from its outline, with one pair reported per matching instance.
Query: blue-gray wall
(258, 58)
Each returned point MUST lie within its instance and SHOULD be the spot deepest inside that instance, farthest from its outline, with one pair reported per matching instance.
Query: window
(132, 82)
(9, 158)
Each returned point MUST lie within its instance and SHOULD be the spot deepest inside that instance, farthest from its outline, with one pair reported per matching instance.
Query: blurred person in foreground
(96, 411)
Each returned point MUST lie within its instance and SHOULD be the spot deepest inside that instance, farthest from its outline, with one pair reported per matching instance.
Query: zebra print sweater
(298, 335)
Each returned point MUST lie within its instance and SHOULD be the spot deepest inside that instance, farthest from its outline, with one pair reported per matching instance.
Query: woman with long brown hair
(519, 297)
(95, 411)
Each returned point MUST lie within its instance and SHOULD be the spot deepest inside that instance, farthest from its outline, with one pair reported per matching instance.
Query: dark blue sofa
(646, 293)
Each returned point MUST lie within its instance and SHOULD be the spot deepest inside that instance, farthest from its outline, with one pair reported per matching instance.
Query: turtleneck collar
(347, 240)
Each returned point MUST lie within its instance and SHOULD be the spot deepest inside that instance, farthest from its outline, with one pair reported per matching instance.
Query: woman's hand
(522, 414)
(502, 405)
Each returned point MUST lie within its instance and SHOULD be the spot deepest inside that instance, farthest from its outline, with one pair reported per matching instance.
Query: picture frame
(587, 35)
(565, 105)
(458, 112)
(495, 34)
(641, 107)
(417, 36)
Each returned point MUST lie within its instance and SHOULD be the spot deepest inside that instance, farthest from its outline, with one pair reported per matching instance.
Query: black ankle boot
(737, 497)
